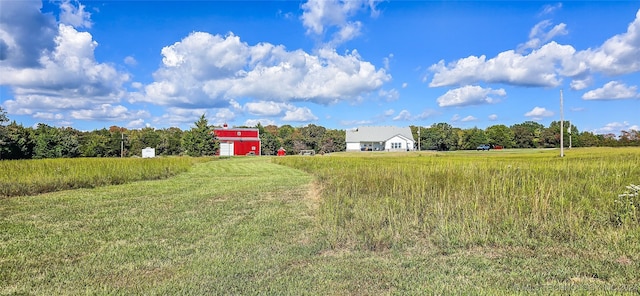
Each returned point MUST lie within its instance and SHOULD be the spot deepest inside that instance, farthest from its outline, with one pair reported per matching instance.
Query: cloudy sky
(339, 64)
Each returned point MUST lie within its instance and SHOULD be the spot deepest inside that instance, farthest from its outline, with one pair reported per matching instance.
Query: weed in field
(627, 206)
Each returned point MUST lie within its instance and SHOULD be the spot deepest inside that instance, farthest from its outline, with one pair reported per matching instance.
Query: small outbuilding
(148, 152)
(238, 141)
(380, 138)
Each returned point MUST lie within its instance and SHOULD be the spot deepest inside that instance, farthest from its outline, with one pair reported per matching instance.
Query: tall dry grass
(27, 177)
(462, 199)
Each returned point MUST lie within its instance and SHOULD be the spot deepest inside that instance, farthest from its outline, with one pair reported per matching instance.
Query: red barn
(238, 141)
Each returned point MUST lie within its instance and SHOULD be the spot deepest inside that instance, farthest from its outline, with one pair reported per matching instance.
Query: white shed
(148, 152)
(380, 138)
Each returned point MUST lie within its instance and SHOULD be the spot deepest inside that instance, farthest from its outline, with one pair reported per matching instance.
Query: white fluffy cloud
(131, 61)
(537, 113)
(303, 114)
(469, 95)
(389, 95)
(616, 127)
(469, 118)
(20, 47)
(48, 116)
(74, 14)
(580, 84)
(69, 77)
(205, 70)
(272, 109)
(184, 117)
(321, 16)
(109, 112)
(538, 68)
(51, 68)
(262, 121)
(539, 34)
(493, 117)
(550, 8)
(547, 65)
(403, 115)
(613, 90)
(266, 108)
(355, 122)
(426, 114)
(619, 54)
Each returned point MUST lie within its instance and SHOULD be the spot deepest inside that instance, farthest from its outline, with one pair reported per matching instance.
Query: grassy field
(25, 177)
(461, 199)
(431, 223)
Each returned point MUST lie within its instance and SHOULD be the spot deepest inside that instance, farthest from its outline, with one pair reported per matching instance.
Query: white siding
(398, 144)
(353, 146)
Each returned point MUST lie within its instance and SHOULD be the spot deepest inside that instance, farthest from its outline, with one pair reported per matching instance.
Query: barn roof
(377, 133)
(238, 139)
(235, 129)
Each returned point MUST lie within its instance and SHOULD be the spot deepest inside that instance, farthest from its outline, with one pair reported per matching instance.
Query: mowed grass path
(229, 226)
(248, 226)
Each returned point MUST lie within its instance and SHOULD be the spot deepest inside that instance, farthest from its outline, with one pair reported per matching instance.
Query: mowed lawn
(249, 226)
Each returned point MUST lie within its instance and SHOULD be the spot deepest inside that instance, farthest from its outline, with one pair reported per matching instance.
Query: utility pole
(121, 143)
(569, 131)
(561, 126)
(419, 140)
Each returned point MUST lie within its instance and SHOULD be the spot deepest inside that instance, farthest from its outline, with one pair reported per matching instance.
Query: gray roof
(377, 133)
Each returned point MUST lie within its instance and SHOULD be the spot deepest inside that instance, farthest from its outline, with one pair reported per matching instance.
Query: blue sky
(339, 64)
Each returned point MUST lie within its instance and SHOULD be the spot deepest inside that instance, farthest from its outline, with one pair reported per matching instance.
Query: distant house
(238, 141)
(380, 138)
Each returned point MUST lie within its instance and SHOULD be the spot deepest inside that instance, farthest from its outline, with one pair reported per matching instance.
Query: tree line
(529, 134)
(44, 141)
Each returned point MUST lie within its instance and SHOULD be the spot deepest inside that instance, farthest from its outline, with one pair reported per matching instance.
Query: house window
(396, 145)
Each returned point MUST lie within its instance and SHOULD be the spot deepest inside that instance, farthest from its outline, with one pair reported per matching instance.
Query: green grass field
(413, 223)
(34, 176)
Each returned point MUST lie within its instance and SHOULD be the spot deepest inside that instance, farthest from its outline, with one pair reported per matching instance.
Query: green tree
(629, 138)
(95, 143)
(170, 139)
(500, 135)
(441, 136)
(285, 136)
(472, 138)
(16, 142)
(312, 136)
(333, 141)
(143, 138)
(199, 141)
(285, 131)
(527, 134)
(551, 135)
(269, 144)
(587, 139)
(51, 142)
(118, 141)
(3, 116)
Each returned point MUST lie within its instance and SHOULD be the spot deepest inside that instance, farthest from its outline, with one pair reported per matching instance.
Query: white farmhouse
(380, 138)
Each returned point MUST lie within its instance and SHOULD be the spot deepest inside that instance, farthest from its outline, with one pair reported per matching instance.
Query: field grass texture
(349, 226)
(485, 198)
(26, 177)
